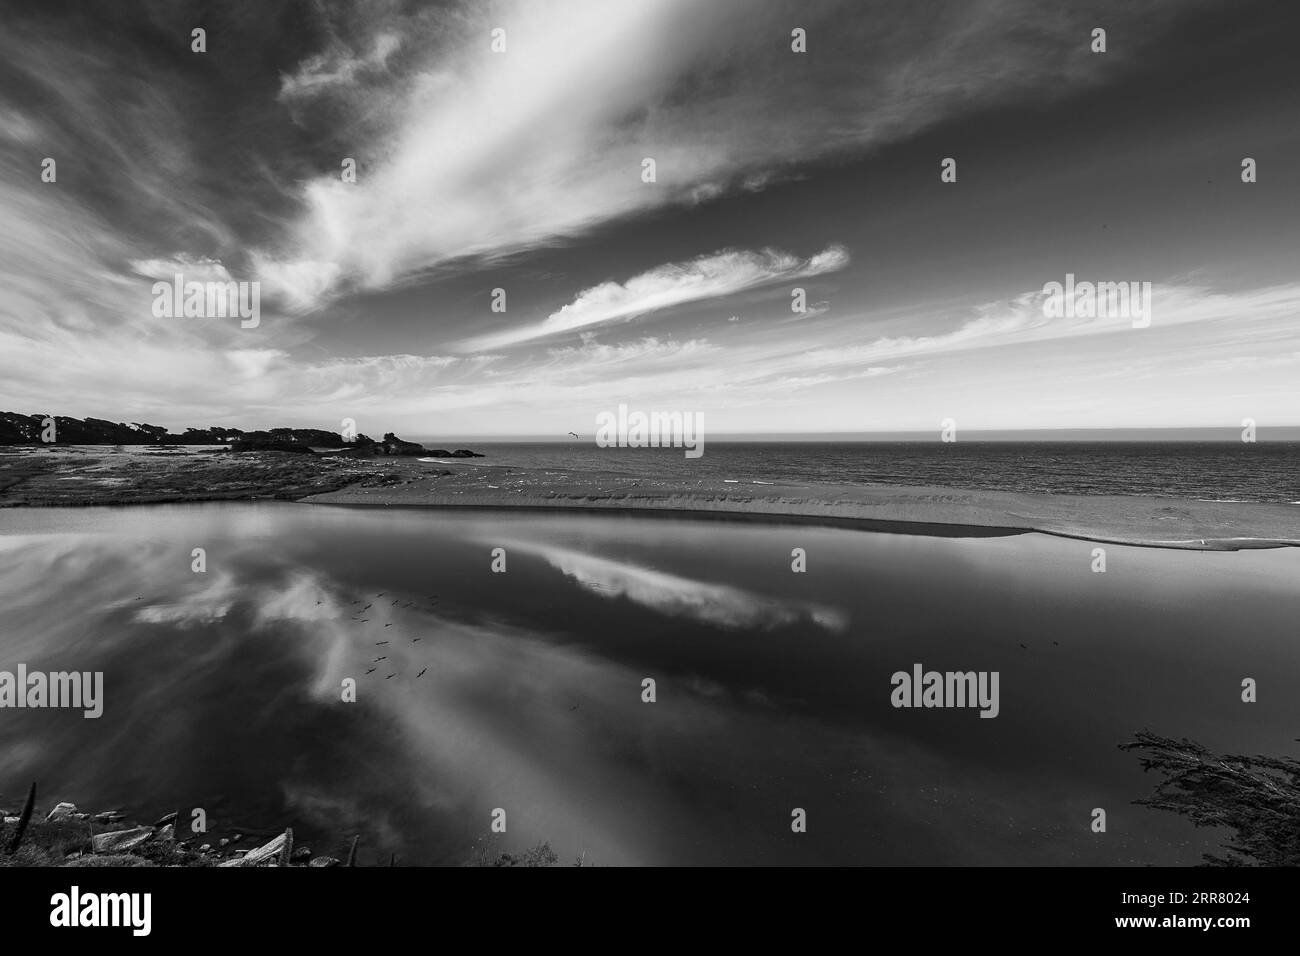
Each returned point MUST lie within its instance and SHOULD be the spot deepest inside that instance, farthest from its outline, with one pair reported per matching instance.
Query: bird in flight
(421, 674)
(574, 434)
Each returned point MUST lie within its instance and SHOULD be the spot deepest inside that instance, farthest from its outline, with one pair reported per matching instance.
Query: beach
(1149, 522)
(98, 476)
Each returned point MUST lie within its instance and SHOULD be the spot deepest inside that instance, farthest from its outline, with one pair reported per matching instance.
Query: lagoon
(223, 689)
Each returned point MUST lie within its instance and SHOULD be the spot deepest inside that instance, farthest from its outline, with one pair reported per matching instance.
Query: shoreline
(85, 476)
(1174, 523)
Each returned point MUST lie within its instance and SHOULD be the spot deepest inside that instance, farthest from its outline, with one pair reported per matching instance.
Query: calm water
(1262, 471)
(223, 689)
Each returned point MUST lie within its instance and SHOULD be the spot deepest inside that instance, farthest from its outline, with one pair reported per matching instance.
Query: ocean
(1211, 471)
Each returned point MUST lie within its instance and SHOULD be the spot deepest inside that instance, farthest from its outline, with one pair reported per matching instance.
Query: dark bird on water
(1024, 646)
(390, 677)
(380, 642)
(389, 624)
(364, 620)
(414, 639)
(378, 659)
(371, 671)
(421, 674)
(367, 607)
(395, 600)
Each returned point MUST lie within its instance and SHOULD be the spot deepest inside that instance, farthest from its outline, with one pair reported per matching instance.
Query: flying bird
(378, 659)
(371, 671)
(389, 624)
(380, 642)
(574, 434)
(390, 677)
(421, 674)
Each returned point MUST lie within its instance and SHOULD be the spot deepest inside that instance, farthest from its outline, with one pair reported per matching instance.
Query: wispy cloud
(706, 277)
(193, 268)
(337, 67)
(483, 154)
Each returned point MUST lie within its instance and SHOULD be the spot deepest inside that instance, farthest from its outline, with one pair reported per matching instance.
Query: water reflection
(523, 690)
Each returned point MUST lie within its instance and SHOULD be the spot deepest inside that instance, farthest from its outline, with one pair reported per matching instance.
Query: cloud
(192, 268)
(1021, 320)
(476, 154)
(706, 277)
(337, 67)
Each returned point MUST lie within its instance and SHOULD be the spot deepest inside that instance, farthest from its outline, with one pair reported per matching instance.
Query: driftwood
(261, 854)
(286, 851)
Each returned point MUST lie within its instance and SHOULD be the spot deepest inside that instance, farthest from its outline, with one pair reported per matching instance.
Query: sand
(1150, 522)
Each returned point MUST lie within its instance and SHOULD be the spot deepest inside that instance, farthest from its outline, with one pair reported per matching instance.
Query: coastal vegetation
(1255, 799)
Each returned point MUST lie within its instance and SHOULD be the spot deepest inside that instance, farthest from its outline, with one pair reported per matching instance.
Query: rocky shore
(96, 475)
(67, 836)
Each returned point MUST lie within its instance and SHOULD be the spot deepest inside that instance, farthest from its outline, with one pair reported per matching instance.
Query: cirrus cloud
(724, 273)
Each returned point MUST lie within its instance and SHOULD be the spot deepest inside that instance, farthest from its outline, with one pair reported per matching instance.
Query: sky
(521, 168)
